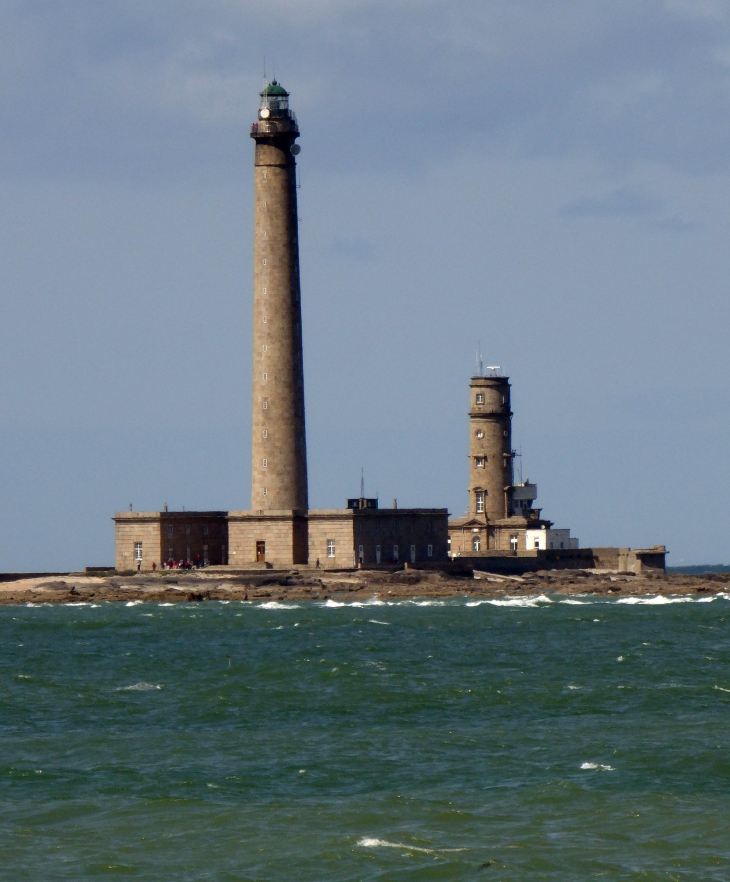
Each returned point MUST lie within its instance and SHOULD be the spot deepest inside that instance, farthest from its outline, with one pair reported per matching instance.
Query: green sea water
(532, 739)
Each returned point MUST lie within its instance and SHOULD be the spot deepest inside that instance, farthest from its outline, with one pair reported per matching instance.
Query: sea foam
(513, 601)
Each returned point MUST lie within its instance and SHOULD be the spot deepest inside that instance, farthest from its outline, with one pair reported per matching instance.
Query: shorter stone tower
(490, 448)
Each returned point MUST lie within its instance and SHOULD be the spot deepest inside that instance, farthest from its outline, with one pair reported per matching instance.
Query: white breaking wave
(657, 600)
(720, 689)
(333, 603)
(597, 767)
(377, 622)
(514, 601)
(138, 687)
(368, 842)
(274, 604)
(134, 602)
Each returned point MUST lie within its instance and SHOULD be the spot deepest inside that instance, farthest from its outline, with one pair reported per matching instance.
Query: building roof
(274, 90)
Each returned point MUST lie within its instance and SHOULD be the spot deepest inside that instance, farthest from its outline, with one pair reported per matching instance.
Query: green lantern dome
(274, 90)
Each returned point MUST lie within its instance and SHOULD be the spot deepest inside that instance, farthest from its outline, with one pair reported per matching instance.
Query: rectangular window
(169, 530)
(429, 551)
(537, 543)
(187, 529)
(170, 553)
(264, 290)
(513, 542)
(360, 553)
(205, 529)
(395, 554)
(264, 347)
(377, 554)
(330, 548)
(479, 462)
(187, 553)
(413, 553)
(480, 397)
(265, 433)
(265, 405)
(138, 551)
(264, 261)
(265, 463)
(263, 493)
(265, 376)
(480, 501)
(205, 555)
(264, 319)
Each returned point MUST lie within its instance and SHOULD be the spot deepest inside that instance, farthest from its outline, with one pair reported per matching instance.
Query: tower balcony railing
(277, 125)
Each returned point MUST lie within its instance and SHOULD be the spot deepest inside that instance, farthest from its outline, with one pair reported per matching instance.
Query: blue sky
(549, 179)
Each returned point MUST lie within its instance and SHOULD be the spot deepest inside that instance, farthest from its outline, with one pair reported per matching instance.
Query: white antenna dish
(494, 368)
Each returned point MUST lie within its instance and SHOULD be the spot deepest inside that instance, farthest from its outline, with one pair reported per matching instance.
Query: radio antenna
(480, 363)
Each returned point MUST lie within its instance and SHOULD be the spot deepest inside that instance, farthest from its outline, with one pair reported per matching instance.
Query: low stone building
(364, 533)
(144, 538)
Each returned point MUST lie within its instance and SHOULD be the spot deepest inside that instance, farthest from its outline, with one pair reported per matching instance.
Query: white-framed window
(513, 542)
(265, 404)
(264, 261)
(264, 177)
(480, 398)
(265, 433)
(395, 553)
(264, 205)
(205, 529)
(480, 501)
(264, 319)
(479, 462)
(264, 232)
(138, 551)
(265, 462)
(264, 348)
(170, 530)
(429, 551)
(360, 552)
(264, 492)
(265, 376)
(330, 548)
(476, 543)
(537, 543)
(264, 289)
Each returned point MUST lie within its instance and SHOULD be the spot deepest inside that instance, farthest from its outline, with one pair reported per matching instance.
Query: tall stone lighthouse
(279, 451)
(276, 526)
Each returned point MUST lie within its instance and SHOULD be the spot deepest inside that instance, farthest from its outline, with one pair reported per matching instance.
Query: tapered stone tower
(279, 451)
(275, 530)
(490, 447)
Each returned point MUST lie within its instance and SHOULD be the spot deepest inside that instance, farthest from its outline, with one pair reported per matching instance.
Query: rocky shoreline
(306, 584)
